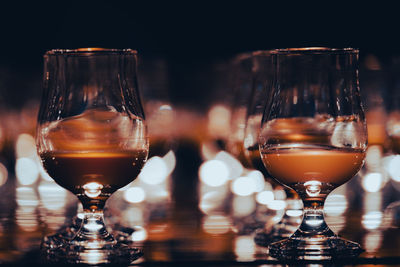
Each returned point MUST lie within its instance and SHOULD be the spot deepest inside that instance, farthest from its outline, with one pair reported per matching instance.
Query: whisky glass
(313, 139)
(92, 140)
(261, 95)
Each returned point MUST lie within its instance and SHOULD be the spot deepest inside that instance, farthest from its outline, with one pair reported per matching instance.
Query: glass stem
(93, 230)
(313, 223)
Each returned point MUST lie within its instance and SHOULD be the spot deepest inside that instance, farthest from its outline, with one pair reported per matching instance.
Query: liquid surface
(293, 165)
(93, 175)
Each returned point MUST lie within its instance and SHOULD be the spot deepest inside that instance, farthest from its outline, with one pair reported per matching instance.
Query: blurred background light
(265, 197)
(134, 194)
(372, 220)
(26, 171)
(372, 182)
(25, 146)
(243, 206)
(245, 248)
(53, 196)
(3, 174)
(140, 234)
(335, 205)
(243, 186)
(155, 171)
(216, 224)
(234, 166)
(214, 173)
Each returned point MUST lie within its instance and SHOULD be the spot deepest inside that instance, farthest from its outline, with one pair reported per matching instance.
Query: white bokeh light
(26, 171)
(245, 248)
(140, 234)
(214, 173)
(258, 179)
(217, 224)
(234, 166)
(243, 186)
(155, 171)
(3, 174)
(265, 197)
(372, 220)
(25, 146)
(134, 194)
(53, 196)
(372, 182)
(243, 205)
(335, 204)
(393, 167)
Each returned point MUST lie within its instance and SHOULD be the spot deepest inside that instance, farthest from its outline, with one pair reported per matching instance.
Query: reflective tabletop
(178, 216)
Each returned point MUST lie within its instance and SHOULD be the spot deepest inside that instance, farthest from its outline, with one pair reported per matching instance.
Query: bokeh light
(3, 174)
(214, 173)
(243, 206)
(134, 194)
(26, 171)
(216, 224)
(245, 248)
(155, 171)
(243, 186)
(372, 182)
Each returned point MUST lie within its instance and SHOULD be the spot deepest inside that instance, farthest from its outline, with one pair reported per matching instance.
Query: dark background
(190, 36)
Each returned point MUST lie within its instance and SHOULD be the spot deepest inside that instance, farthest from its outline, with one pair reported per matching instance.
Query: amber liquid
(301, 164)
(93, 176)
(254, 156)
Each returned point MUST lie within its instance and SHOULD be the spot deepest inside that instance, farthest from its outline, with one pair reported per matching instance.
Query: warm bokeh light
(218, 120)
(245, 248)
(216, 224)
(25, 214)
(25, 146)
(3, 174)
(214, 173)
(372, 241)
(26, 171)
(211, 200)
(243, 206)
(139, 234)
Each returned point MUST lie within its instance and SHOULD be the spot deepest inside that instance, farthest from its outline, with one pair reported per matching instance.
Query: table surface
(176, 231)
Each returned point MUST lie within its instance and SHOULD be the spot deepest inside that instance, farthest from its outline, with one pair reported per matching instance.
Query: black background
(191, 36)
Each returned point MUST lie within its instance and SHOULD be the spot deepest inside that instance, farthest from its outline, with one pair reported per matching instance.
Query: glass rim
(89, 51)
(262, 52)
(314, 50)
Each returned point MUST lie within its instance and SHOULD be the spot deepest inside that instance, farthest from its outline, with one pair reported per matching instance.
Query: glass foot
(279, 232)
(314, 248)
(61, 248)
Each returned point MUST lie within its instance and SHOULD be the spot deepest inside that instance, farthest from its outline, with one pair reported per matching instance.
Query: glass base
(280, 231)
(314, 248)
(64, 248)
(285, 228)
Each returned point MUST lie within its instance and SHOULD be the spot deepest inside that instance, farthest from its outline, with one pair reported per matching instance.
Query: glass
(313, 139)
(92, 140)
(260, 95)
(242, 79)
